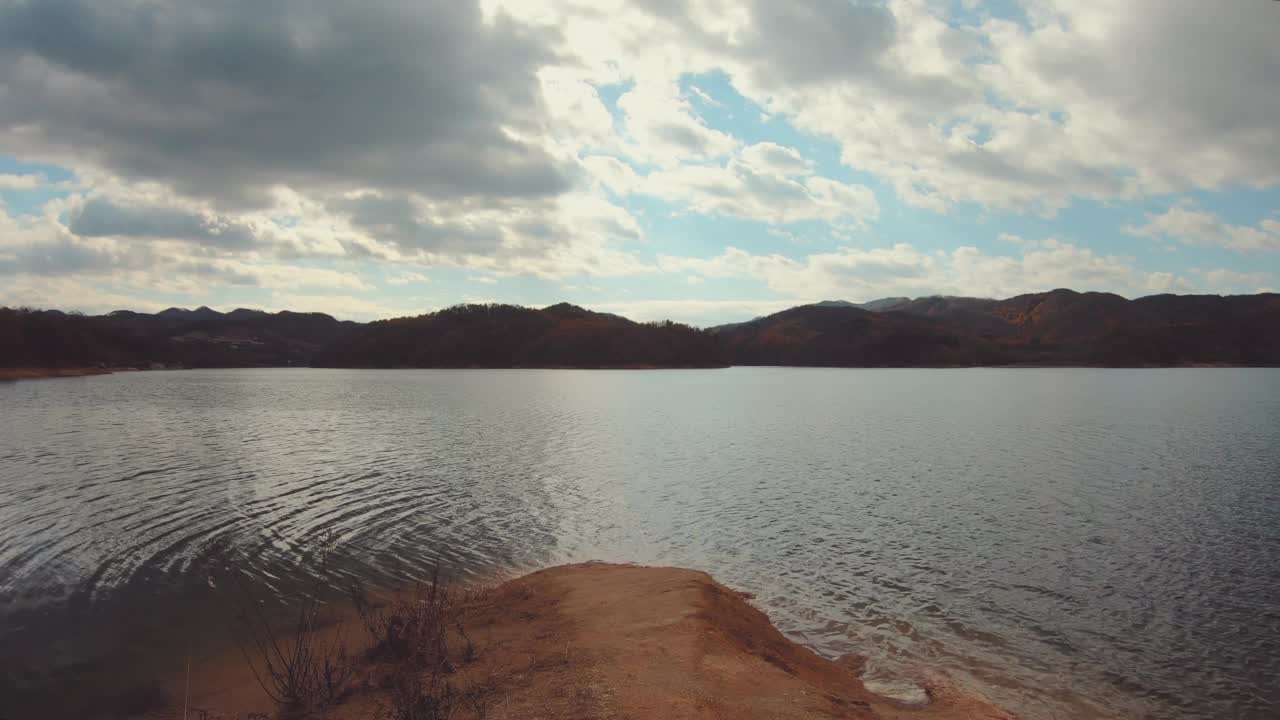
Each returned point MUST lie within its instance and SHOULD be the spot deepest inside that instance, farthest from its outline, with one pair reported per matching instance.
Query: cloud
(737, 190)
(41, 247)
(100, 217)
(224, 102)
(814, 41)
(867, 274)
(704, 97)
(1190, 226)
(1232, 281)
(407, 278)
(1078, 99)
(661, 127)
(292, 277)
(576, 112)
(577, 233)
(765, 182)
(775, 159)
(61, 256)
(343, 307)
(1072, 99)
(412, 225)
(1182, 94)
(72, 294)
(291, 146)
(285, 131)
(695, 311)
(20, 182)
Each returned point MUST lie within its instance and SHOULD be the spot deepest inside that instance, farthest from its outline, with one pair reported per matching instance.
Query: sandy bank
(613, 641)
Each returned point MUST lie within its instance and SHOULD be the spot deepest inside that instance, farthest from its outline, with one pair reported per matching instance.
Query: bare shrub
(419, 634)
(425, 694)
(411, 628)
(482, 694)
(303, 668)
(468, 647)
(417, 640)
(420, 694)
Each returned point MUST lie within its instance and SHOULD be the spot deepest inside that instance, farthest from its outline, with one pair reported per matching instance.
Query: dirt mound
(619, 641)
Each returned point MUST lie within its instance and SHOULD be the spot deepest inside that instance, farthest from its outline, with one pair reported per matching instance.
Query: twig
(186, 695)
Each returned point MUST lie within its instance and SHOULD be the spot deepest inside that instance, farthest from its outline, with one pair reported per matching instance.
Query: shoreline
(42, 373)
(598, 640)
(46, 373)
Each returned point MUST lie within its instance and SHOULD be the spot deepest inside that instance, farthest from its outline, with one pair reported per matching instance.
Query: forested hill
(463, 336)
(173, 337)
(1061, 327)
(510, 336)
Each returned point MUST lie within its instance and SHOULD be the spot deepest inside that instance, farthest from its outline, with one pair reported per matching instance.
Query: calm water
(1074, 542)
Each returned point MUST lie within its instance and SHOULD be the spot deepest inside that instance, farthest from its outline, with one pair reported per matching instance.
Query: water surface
(1074, 542)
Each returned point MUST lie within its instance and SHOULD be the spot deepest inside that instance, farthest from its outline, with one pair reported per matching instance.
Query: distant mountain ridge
(172, 337)
(1061, 327)
(873, 305)
(495, 336)
(880, 305)
(561, 335)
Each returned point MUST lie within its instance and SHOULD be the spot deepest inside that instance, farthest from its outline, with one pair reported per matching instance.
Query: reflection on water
(1075, 542)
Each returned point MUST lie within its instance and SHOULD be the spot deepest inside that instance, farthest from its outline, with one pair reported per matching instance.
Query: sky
(705, 161)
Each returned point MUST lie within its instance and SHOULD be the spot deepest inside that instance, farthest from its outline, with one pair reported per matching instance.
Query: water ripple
(1077, 543)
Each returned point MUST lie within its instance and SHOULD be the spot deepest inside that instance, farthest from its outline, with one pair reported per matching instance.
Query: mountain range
(1061, 327)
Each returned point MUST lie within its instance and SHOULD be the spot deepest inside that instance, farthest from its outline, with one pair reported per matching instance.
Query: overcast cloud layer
(705, 160)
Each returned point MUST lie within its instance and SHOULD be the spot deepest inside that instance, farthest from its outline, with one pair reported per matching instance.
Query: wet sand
(598, 640)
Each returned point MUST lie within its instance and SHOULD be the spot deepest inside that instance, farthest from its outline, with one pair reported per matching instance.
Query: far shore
(599, 640)
(39, 373)
(42, 373)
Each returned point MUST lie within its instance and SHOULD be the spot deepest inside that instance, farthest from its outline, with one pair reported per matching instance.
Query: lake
(1073, 542)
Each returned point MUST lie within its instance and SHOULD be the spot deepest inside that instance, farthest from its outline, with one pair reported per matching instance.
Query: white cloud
(704, 97)
(20, 182)
(294, 277)
(612, 173)
(227, 101)
(774, 159)
(407, 278)
(866, 274)
(1088, 99)
(662, 128)
(168, 241)
(480, 139)
(762, 189)
(70, 294)
(343, 307)
(694, 311)
(41, 246)
(577, 113)
(1234, 282)
(1190, 226)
